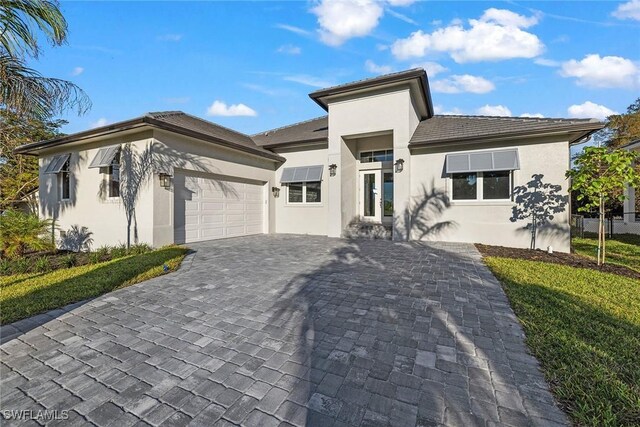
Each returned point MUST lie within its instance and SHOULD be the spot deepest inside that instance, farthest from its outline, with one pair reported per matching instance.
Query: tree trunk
(601, 233)
(128, 233)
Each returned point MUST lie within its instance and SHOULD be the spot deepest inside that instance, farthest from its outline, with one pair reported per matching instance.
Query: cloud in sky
(463, 83)
(432, 68)
(307, 80)
(497, 35)
(439, 109)
(102, 121)
(588, 110)
(628, 10)
(374, 68)
(220, 108)
(494, 110)
(341, 20)
(532, 115)
(605, 72)
(545, 62)
(289, 49)
(77, 71)
(170, 37)
(294, 29)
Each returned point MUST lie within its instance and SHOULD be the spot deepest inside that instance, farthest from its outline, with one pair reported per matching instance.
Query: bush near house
(583, 325)
(25, 295)
(22, 232)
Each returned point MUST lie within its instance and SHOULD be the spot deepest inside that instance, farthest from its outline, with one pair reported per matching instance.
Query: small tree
(22, 232)
(598, 178)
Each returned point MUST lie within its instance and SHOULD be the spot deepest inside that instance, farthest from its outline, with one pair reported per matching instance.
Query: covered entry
(210, 207)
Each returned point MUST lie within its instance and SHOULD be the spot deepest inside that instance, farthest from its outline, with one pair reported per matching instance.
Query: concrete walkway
(287, 330)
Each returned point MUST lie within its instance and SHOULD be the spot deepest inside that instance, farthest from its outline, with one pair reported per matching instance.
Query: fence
(628, 224)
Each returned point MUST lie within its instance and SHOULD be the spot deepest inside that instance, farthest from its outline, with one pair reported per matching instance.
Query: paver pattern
(287, 330)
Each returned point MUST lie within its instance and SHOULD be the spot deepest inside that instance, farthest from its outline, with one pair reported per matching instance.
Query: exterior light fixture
(165, 180)
(332, 169)
(399, 164)
(275, 191)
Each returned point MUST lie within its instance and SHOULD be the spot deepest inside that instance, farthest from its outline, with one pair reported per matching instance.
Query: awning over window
(56, 163)
(104, 157)
(485, 161)
(302, 174)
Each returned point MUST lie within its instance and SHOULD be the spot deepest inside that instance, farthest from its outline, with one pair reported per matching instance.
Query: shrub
(42, 264)
(139, 248)
(21, 232)
(69, 260)
(5, 266)
(104, 251)
(119, 251)
(76, 239)
(94, 257)
(21, 265)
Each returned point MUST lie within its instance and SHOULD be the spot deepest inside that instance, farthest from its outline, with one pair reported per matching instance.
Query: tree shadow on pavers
(404, 334)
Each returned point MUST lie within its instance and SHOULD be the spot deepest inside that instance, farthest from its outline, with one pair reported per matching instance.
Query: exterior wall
(178, 154)
(481, 221)
(302, 218)
(87, 205)
(360, 116)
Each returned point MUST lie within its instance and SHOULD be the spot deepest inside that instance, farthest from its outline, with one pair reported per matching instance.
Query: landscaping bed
(572, 260)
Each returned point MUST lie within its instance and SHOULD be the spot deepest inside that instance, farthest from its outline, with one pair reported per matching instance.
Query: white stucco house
(380, 157)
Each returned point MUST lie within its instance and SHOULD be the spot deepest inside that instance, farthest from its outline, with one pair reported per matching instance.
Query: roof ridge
(208, 122)
(156, 114)
(265, 132)
(546, 119)
(380, 76)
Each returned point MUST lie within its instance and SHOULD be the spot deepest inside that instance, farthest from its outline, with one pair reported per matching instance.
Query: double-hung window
(107, 159)
(65, 181)
(114, 176)
(59, 166)
(304, 184)
(485, 175)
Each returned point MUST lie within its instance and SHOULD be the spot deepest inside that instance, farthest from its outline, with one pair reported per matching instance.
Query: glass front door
(376, 195)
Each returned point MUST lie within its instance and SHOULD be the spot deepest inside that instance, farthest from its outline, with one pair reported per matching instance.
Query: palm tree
(23, 90)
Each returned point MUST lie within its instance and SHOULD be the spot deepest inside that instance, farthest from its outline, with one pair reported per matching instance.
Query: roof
(401, 76)
(172, 121)
(308, 131)
(451, 129)
(631, 145)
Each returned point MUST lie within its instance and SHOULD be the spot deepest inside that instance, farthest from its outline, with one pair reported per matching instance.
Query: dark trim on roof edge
(289, 143)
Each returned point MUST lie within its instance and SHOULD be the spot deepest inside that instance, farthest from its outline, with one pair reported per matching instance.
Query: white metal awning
(302, 174)
(104, 157)
(57, 163)
(483, 161)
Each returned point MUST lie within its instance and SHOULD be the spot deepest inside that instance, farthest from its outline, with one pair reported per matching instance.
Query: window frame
(304, 194)
(64, 172)
(114, 162)
(480, 189)
(387, 151)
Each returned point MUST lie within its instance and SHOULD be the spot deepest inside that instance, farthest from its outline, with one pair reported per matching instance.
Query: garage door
(209, 208)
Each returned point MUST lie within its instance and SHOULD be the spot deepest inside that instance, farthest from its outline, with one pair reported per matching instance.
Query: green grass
(623, 249)
(584, 328)
(25, 295)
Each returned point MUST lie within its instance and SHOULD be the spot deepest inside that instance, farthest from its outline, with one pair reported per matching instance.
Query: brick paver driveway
(280, 330)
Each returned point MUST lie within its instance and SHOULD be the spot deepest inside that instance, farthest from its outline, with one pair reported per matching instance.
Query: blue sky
(251, 65)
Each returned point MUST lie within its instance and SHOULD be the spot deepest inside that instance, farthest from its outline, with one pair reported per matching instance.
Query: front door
(376, 195)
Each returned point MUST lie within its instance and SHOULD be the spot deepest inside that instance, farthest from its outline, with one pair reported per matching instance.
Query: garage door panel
(214, 208)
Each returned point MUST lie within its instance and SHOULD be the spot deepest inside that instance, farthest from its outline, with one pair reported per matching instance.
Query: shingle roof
(440, 129)
(308, 131)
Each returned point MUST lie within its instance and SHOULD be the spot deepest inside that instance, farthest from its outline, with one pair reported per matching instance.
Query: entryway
(376, 195)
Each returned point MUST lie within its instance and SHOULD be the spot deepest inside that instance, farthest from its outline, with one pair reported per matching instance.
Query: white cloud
(401, 17)
(77, 71)
(289, 49)
(400, 2)
(607, 71)
(455, 111)
(496, 36)
(546, 62)
(170, 37)
(628, 10)
(532, 115)
(494, 110)
(294, 29)
(589, 110)
(341, 20)
(309, 80)
(99, 123)
(463, 83)
(432, 68)
(219, 108)
(374, 68)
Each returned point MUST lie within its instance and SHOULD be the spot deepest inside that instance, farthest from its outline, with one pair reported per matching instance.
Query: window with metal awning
(302, 174)
(483, 161)
(57, 163)
(104, 157)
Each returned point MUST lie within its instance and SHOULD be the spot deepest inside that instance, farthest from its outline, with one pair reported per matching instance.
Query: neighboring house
(380, 156)
(632, 202)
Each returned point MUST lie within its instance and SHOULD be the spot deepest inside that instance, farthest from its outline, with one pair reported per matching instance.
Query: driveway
(288, 330)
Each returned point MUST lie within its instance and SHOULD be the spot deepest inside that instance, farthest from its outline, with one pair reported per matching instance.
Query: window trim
(386, 150)
(480, 190)
(304, 195)
(64, 170)
(114, 161)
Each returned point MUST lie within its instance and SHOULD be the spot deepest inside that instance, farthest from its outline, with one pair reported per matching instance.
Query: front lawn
(583, 326)
(25, 295)
(623, 249)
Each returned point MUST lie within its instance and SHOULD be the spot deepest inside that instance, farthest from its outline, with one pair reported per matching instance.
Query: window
(114, 176)
(376, 156)
(305, 192)
(465, 186)
(495, 185)
(481, 185)
(65, 181)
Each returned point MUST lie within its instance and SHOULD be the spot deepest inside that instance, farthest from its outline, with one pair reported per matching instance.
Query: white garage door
(214, 208)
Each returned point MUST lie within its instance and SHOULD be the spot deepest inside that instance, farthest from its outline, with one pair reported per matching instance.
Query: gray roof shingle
(308, 131)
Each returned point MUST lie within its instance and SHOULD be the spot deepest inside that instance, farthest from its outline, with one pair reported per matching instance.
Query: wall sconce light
(165, 180)
(399, 164)
(332, 169)
(275, 191)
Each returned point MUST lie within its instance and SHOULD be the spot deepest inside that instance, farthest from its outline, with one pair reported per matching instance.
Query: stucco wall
(175, 153)
(488, 222)
(302, 218)
(87, 205)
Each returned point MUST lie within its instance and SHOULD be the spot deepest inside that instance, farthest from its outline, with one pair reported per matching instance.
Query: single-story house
(380, 157)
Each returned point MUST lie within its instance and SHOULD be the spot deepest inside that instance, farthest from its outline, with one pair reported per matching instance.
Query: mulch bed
(572, 260)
